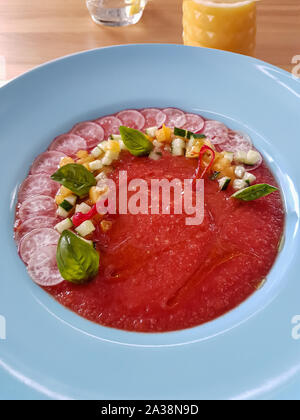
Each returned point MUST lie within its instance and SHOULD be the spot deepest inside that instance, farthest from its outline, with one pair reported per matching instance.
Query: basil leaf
(135, 141)
(76, 178)
(254, 192)
(76, 259)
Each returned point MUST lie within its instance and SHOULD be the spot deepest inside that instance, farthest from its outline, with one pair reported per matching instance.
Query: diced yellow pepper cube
(86, 159)
(65, 161)
(105, 225)
(87, 166)
(82, 154)
(164, 135)
(96, 193)
(114, 146)
(62, 194)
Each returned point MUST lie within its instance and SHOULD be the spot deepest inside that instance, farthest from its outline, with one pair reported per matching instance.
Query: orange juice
(223, 24)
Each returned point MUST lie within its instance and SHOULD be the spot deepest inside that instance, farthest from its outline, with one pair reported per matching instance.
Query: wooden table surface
(33, 32)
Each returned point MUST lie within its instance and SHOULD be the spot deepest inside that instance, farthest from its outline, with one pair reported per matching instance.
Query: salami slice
(39, 205)
(110, 125)
(34, 223)
(132, 118)
(42, 267)
(91, 132)
(153, 117)
(39, 184)
(68, 144)
(174, 117)
(194, 123)
(36, 239)
(237, 141)
(47, 163)
(216, 132)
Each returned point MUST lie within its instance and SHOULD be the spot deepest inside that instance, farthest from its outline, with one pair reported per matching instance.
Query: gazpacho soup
(150, 221)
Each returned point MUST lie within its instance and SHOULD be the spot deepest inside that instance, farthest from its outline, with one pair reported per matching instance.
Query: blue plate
(50, 352)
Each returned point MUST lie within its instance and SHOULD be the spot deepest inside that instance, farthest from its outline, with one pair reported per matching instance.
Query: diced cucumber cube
(82, 208)
(85, 228)
(63, 225)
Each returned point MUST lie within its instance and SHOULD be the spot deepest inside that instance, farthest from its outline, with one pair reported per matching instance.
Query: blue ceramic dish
(50, 352)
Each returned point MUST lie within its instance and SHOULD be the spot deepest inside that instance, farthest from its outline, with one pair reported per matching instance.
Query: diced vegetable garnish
(63, 225)
(240, 171)
(187, 134)
(61, 212)
(229, 156)
(164, 135)
(254, 192)
(239, 184)
(80, 217)
(83, 208)
(155, 155)
(103, 145)
(151, 131)
(116, 137)
(180, 132)
(105, 225)
(96, 152)
(101, 177)
(249, 178)
(193, 148)
(96, 193)
(253, 157)
(77, 260)
(95, 165)
(65, 161)
(224, 183)
(86, 228)
(215, 175)
(66, 205)
(108, 158)
(178, 147)
(240, 156)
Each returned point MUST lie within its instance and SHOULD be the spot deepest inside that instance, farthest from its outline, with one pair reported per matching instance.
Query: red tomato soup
(156, 273)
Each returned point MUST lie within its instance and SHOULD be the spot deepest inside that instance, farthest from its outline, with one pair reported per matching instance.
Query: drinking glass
(222, 24)
(116, 12)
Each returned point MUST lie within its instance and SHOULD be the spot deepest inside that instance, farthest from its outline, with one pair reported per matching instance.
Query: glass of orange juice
(223, 24)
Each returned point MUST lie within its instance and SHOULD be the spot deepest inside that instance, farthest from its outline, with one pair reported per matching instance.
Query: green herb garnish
(76, 178)
(136, 141)
(254, 192)
(77, 260)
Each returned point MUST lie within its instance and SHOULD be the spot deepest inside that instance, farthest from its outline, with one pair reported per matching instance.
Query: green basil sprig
(254, 192)
(135, 141)
(77, 260)
(76, 178)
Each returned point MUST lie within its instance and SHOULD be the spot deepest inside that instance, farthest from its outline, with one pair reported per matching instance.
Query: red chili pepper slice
(79, 218)
(203, 150)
